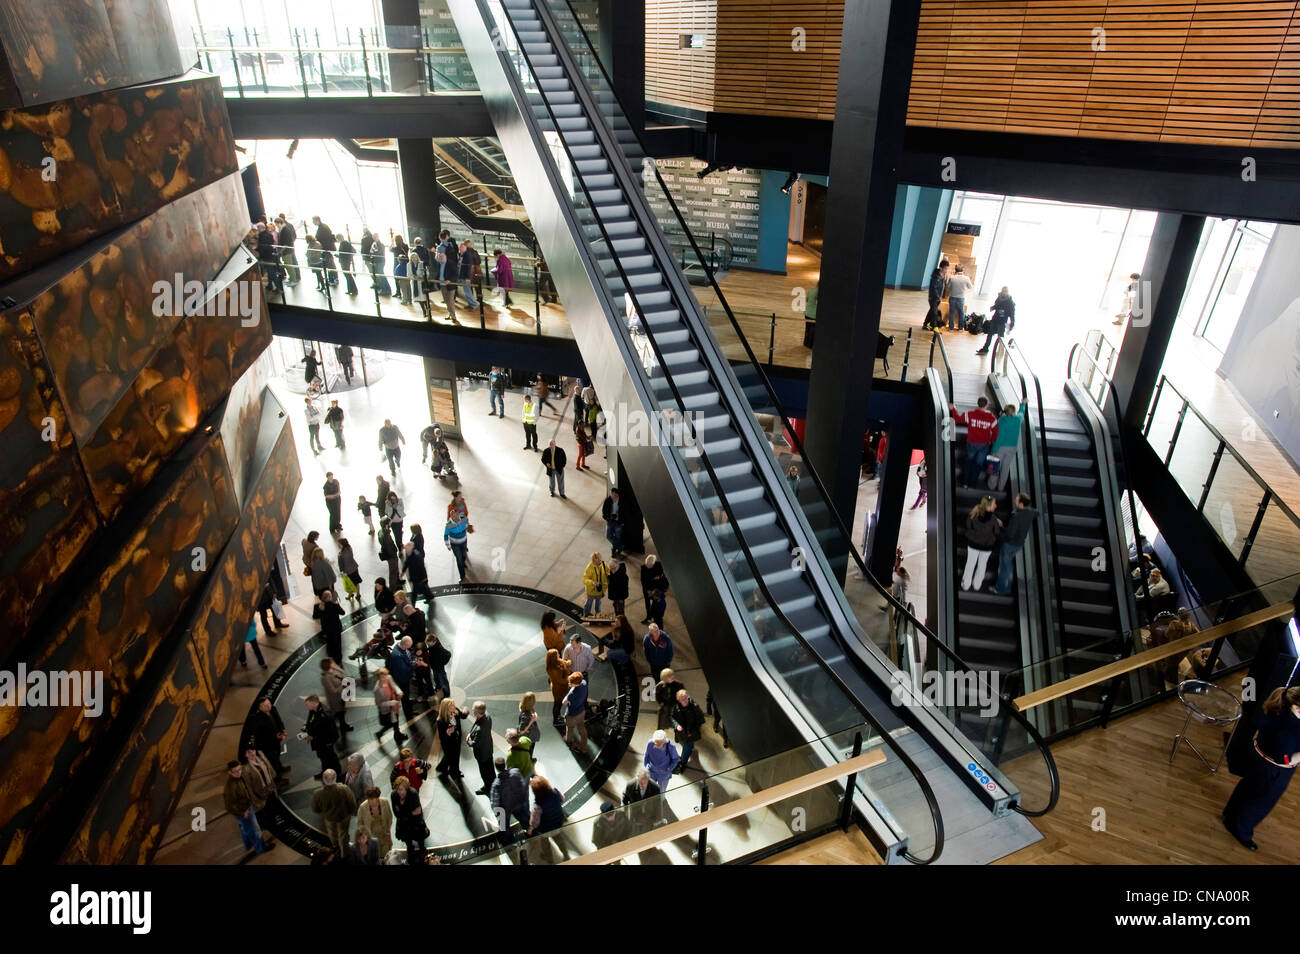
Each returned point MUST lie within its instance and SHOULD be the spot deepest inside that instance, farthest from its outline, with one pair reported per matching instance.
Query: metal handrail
(776, 403)
(937, 341)
(630, 291)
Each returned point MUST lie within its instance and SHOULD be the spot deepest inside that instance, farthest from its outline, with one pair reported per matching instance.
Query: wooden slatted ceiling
(676, 76)
(1171, 70)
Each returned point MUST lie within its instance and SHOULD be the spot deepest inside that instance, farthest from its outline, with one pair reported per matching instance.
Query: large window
(1222, 275)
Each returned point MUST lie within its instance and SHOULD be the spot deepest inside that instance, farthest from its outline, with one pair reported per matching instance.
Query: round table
(1209, 705)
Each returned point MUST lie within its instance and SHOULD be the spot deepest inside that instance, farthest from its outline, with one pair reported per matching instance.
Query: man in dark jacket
(268, 732)
(344, 354)
(325, 235)
(1013, 541)
(653, 580)
(418, 574)
(330, 615)
(688, 723)
(612, 514)
(643, 789)
(322, 733)
(509, 797)
(285, 238)
(610, 827)
(470, 272)
(346, 252)
(554, 459)
(401, 665)
(1002, 318)
(480, 743)
(938, 285)
(266, 604)
(447, 262)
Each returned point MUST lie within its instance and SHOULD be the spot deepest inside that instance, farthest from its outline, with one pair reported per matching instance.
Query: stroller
(442, 465)
(380, 645)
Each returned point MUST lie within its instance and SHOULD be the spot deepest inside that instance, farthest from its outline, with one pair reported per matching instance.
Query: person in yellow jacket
(530, 424)
(596, 579)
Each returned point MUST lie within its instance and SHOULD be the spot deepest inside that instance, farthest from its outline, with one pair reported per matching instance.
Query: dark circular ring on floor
(509, 650)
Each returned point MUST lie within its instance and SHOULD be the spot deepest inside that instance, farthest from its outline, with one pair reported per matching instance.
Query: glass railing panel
(1192, 456)
(1164, 421)
(1276, 546)
(1231, 503)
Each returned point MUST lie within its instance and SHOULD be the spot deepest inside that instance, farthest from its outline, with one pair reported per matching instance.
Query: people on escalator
(1005, 445)
(1002, 318)
(1270, 766)
(981, 429)
(1013, 541)
(982, 527)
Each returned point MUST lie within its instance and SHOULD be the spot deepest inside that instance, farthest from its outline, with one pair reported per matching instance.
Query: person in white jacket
(313, 426)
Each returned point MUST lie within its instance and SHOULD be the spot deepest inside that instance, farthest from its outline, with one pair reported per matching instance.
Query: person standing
(520, 752)
(286, 236)
(388, 701)
(922, 479)
(316, 262)
(575, 714)
(448, 259)
(959, 287)
(557, 672)
(642, 792)
(1272, 762)
(688, 725)
(323, 577)
(388, 552)
(238, 800)
(595, 579)
(543, 391)
(419, 271)
(333, 502)
(505, 274)
(375, 818)
(981, 429)
(529, 418)
(363, 851)
(1002, 318)
(938, 288)
(325, 238)
(666, 696)
(418, 573)
(584, 445)
(250, 639)
(411, 828)
(529, 725)
(982, 527)
(455, 536)
(1013, 541)
(347, 253)
(450, 736)
(322, 734)
(268, 735)
(653, 581)
(578, 654)
(1006, 444)
(395, 513)
(509, 795)
(384, 601)
(330, 615)
(497, 392)
(1131, 292)
(379, 264)
(333, 681)
(438, 656)
(469, 267)
(480, 743)
(401, 665)
(351, 573)
(401, 259)
(553, 459)
(661, 759)
(611, 513)
(391, 440)
(266, 605)
(658, 649)
(309, 368)
(313, 426)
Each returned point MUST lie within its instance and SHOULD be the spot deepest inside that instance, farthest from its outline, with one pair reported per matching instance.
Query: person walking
(391, 440)
(542, 390)
(981, 429)
(375, 818)
(959, 287)
(504, 271)
(1271, 763)
(1002, 318)
(333, 502)
(661, 759)
(595, 579)
(388, 700)
(330, 615)
(389, 553)
(666, 696)
(334, 420)
(345, 355)
(658, 649)
(530, 726)
(1013, 541)
(380, 264)
(688, 726)
(584, 444)
(334, 681)
(923, 480)
(238, 800)
(480, 743)
(417, 573)
(411, 828)
(347, 253)
(395, 514)
(575, 714)
(471, 272)
(419, 272)
(313, 416)
(323, 577)
(529, 418)
(520, 755)
(383, 597)
(450, 736)
(557, 672)
(309, 368)
(497, 381)
(982, 527)
(322, 734)
(350, 570)
(509, 796)
(612, 514)
(554, 459)
(456, 537)
(401, 664)
(250, 639)
(653, 581)
(266, 604)
(448, 259)
(938, 288)
(1006, 444)
(641, 792)
(268, 735)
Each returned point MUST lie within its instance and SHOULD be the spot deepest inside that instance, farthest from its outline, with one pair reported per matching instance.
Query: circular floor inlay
(497, 656)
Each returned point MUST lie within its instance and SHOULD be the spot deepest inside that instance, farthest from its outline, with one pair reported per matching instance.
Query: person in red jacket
(981, 429)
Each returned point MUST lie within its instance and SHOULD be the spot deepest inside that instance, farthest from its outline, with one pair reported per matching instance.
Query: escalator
(787, 660)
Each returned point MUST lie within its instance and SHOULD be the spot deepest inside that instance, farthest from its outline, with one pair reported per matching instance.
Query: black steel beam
(622, 51)
(417, 166)
(360, 117)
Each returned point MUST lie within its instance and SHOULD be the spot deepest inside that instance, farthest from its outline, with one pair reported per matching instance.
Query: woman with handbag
(450, 736)
(388, 700)
(414, 770)
(410, 820)
(584, 446)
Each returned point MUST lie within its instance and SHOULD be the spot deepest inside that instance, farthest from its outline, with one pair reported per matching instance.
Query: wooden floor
(1123, 803)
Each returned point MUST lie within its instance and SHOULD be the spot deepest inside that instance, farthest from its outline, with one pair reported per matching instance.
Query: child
(364, 506)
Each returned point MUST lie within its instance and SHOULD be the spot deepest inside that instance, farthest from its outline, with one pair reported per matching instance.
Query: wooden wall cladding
(1225, 72)
(676, 76)
(116, 611)
(97, 322)
(130, 811)
(119, 156)
(58, 49)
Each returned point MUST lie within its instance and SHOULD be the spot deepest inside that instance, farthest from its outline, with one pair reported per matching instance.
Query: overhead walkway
(788, 660)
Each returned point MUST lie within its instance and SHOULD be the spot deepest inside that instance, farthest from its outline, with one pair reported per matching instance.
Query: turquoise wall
(920, 216)
(773, 222)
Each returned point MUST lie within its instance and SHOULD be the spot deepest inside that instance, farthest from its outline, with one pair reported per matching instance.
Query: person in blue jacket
(658, 649)
(457, 539)
(1276, 755)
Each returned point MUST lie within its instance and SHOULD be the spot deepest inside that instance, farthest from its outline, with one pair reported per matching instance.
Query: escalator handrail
(937, 340)
(776, 403)
(1012, 353)
(868, 718)
(1123, 458)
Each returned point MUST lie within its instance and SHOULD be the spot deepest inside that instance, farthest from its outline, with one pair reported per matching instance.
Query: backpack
(975, 324)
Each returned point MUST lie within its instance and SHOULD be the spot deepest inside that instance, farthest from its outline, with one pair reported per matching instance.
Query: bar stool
(1210, 705)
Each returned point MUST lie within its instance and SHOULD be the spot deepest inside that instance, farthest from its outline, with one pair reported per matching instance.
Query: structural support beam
(402, 31)
(878, 43)
(622, 51)
(1164, 280)
(418, 168)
